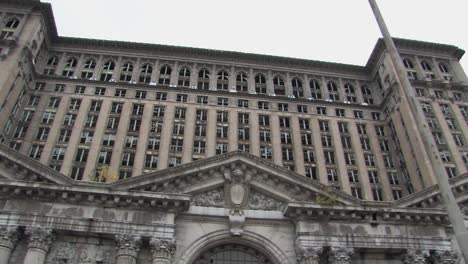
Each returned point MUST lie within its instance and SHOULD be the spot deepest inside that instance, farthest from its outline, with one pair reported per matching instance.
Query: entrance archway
(232, 254)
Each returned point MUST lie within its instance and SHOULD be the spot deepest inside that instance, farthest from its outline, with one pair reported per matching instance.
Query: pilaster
(128, 247)
(162, 250)
(340, 255)
(39, 242)
(308, 255)
(8, 239)
(445, 257)
(416, 256)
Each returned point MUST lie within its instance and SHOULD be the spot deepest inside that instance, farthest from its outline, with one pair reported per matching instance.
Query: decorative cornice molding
(372, 215)
(93, 194)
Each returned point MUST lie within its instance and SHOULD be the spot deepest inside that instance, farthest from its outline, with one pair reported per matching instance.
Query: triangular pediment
(271, 183)
(431, 197)
(17, 167)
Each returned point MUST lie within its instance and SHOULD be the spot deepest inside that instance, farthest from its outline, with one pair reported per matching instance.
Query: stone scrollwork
(416, 256)
(258, 201)
(308, 255)
(163, 248)
(8, 237)
(445, 257)
(128, 245)
(39, 237)
(214, 198)
(341, 255)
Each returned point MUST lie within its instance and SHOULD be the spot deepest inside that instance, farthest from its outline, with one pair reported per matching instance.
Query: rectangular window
(302, 109)
(182, 98)
(242, 103)
(134, 125)
(54, 102)
(161, 96)
(120, 92)
(100, 91)
(321, 110)
(180, 113)
(223, 101)
(140, 94)
(243, 118)
(91, 121)
(203, 100)
(284, 122)
(263, 105)
(282, 107)
(79, 89)
(151, 161)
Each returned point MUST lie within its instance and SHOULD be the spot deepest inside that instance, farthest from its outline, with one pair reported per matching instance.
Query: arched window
(145, 73)
(333, 91)
(298, 91)
(88, 69)
(408, 63)
(184, 77)
(412, 75)
(52, 62)
(260, 84)
(278, 85)
(315, 91)
(203, 79)
(426, 66)
(222, 82)
(107, 71)
(445, 70)
(242, 82)
(350, 93)
(367, 95)
(9, 28)
(69, 68)
(126, 72)
(165, 75)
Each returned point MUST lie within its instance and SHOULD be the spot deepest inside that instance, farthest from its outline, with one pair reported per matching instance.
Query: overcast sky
(341, 31)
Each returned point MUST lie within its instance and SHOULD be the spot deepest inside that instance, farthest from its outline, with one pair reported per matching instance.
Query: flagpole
(455, 215)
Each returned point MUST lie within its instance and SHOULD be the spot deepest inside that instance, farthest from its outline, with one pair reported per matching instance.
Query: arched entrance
(232, 254)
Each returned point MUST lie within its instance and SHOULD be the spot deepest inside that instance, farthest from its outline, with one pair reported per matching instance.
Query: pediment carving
(255, 201)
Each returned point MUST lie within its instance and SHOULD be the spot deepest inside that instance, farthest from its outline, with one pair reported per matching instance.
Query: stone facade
(129, 153)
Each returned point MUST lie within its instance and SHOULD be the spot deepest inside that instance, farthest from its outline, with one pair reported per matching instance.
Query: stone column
(416, 256)
(340, 255)
(39, 241)
(445, 257)
(128, 247)
(162, 250)
(308, 255)
(8, 239)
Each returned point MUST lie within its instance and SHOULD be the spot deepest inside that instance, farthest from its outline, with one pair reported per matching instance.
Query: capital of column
(308, 255)
(445, 257)
(8, 237)
(39, 237)
(162, 248)
(416, 256)
(128, 245)
(340, 255)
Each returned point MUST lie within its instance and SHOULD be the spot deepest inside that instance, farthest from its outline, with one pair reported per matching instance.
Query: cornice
(409, 44)
(309, 211)
(94, 195)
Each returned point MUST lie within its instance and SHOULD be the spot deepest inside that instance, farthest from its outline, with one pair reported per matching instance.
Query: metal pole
(455, 215)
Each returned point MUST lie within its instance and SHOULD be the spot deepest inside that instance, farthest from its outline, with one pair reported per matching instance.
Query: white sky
(341, 31)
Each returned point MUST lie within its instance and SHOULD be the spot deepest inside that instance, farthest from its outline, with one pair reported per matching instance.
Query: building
(193, 156)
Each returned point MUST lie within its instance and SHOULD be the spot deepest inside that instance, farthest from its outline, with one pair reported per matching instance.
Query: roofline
(379, 48)
(401, 43)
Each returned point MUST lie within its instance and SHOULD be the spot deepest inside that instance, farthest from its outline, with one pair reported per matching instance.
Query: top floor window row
(426, 69)
(113, 70)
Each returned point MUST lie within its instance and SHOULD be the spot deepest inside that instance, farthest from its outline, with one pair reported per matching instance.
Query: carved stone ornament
(163, 248)
(340, 255)
(8, 236)
(309, 255)
(128, 245)
(258, 201)
(416, 256)
(39, 237)
(71, 253)
(445, 257)
(214, 198)
(237, 191)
